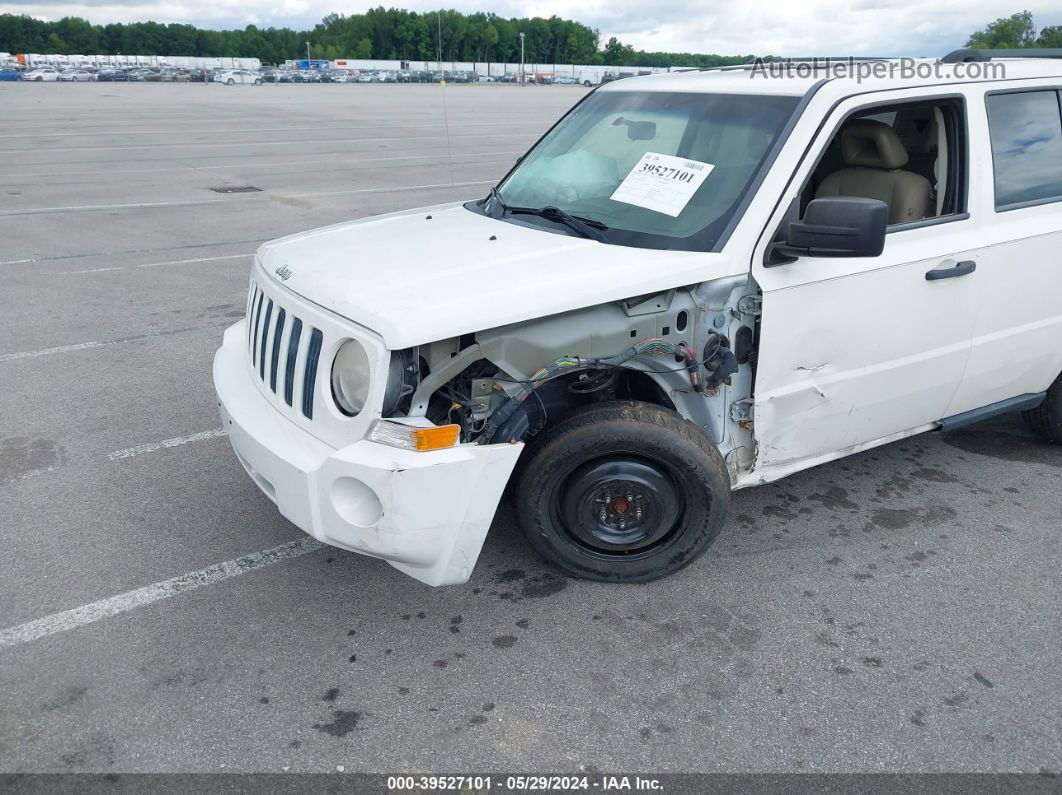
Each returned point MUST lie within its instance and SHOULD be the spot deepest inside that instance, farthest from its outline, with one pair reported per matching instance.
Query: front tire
(230, 82)
(622, 492)
(258, 82)
(1046, 419)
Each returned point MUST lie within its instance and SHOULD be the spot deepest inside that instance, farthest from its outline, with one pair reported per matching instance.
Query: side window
(1026, 132)
(911, 156)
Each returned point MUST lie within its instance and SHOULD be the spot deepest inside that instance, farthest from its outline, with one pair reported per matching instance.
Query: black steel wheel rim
(619, 505)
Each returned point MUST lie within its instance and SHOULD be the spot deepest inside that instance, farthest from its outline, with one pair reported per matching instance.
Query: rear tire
(258, 82)
(622, 492)
(230, 82)
(1046, 419)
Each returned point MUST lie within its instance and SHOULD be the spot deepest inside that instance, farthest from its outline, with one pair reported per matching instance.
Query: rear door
(1017, 342)
(858, 351)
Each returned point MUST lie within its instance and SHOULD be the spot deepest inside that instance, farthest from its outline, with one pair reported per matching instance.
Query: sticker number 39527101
(662, 183)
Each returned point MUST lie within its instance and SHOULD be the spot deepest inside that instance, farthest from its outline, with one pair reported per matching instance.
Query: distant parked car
(234, 76)
(10, 75)
(173, 76)
(112, 76)
(565, 80)
(367, 77)
(42, 74)
(75, 76)
(487, 79)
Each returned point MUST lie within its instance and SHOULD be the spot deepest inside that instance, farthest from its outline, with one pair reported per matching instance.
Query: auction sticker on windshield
(662, 183)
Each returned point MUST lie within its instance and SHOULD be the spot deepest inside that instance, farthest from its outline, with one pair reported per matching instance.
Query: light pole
(307, 55)
(523, 80)
(438, 19)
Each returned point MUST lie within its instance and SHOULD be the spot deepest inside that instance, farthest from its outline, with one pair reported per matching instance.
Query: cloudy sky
(782, 27)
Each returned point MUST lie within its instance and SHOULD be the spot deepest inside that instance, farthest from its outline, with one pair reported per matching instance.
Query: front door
(858, 351)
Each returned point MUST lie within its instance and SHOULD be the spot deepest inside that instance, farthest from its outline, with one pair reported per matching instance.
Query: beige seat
(874, 156)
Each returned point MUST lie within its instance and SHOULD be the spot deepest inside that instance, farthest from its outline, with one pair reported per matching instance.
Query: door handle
(959, 269)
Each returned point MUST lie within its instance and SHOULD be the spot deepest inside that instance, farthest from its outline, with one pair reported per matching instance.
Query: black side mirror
(837, 226)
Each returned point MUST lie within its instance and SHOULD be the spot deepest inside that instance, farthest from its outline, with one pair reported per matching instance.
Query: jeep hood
(438, 272)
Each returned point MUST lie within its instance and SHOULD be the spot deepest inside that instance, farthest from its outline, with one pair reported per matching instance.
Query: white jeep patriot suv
(694, 282)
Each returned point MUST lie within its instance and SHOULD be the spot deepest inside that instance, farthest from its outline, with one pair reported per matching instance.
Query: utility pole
(523, 80)
(307, 55)
(438, 17)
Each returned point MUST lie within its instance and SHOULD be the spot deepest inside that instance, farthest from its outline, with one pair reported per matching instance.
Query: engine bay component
(403, 374)
(505, 422)
(719, 361)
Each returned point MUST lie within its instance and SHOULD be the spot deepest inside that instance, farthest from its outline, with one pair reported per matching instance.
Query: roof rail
(967, 55)
(826, 58)
(814, 60)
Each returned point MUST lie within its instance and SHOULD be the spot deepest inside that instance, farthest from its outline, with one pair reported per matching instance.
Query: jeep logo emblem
(284, 272)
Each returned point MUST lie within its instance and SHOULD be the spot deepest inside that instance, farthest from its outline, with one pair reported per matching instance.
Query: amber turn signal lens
(413, 437)
(436, 438)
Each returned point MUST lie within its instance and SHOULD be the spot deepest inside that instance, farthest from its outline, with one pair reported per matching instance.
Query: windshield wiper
(585, 227)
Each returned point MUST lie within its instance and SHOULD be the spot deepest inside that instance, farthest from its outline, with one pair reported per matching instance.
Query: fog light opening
(356, 502)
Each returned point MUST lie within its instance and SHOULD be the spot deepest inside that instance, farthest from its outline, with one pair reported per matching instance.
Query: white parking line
(389, 190)
(122, 252)
(260, 164)
(151, 447)
(366, 123)
(87, 207)
(94, 207)
(81, 346)
(154, 264)
(32, 473)
(248, 145)
(123, 603)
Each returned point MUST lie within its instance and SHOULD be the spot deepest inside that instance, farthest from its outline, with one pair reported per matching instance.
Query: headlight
(350, 377)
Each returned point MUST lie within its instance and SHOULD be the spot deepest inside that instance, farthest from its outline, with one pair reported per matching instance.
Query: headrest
(872, 144)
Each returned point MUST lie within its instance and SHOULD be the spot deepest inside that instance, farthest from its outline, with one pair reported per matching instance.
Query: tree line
(397, 34)
(1016, 32)
(388, 34)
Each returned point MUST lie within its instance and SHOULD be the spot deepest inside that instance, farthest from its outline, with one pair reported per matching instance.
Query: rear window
(1026, 131)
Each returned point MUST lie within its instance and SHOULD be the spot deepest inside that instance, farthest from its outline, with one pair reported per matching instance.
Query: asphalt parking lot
(895, 611)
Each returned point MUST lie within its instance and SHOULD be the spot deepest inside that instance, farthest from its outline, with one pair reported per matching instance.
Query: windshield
(658, 169)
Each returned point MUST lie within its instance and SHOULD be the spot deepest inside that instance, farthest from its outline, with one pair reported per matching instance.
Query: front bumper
(426, 514)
